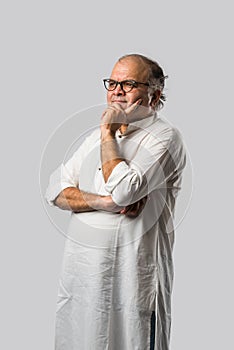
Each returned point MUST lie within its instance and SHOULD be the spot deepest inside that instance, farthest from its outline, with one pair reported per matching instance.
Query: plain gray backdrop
(53, 57)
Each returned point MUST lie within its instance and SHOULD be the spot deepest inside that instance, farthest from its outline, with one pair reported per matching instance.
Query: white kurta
(117, 270)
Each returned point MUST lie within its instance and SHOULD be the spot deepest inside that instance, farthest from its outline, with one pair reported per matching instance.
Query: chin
(124, 105)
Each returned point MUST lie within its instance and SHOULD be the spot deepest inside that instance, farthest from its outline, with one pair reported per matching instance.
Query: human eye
(111, 83)
(128, 84)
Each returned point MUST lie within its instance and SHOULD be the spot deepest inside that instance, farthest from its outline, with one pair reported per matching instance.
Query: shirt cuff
(120, 171)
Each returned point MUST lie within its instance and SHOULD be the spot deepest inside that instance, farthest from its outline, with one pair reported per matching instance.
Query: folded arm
(159, 158)
(73, 199)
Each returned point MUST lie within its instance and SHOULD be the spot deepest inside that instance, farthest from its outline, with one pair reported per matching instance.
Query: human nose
(119, 89)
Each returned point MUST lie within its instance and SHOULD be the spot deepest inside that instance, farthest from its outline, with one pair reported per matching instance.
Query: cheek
(134, 96)
(108, 96)
(144, 97)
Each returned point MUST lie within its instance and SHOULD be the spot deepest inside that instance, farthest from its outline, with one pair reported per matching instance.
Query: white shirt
(117, 270)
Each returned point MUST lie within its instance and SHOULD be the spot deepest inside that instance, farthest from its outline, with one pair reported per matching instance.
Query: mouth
(118, 100)
(122, 102)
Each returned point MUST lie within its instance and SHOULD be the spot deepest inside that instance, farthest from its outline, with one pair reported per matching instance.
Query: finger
(137, 209)
(110, 109)
(116, 106)
(132, 214)
(133, 107)
(128, 208)
(132, 210)
(114, 114)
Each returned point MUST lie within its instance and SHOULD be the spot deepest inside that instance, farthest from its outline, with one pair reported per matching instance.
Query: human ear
(155, 98)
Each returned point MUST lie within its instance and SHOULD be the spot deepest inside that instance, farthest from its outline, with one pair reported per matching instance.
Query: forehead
(130, 68)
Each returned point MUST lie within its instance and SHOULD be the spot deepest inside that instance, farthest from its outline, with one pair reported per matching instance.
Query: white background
(53, 57)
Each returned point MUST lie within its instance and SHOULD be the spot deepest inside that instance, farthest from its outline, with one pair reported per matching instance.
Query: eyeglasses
(126, 85)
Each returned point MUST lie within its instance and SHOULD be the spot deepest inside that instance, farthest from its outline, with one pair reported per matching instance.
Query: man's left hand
(133, 210)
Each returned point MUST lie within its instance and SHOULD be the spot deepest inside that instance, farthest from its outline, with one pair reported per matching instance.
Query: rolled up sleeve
(60, 179)
(67, 175)
(154, 164)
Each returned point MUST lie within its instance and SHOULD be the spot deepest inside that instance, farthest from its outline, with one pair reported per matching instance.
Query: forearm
(109, 153)
(74, 199)
(113, 118)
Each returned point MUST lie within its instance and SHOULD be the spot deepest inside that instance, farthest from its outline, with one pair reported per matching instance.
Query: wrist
(107, 135)
(109, 205)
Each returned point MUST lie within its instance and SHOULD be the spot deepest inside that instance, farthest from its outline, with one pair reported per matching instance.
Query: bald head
(151, 70)
(132, 68)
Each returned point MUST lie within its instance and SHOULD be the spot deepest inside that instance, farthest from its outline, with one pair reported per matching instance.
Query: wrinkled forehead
(130, 68)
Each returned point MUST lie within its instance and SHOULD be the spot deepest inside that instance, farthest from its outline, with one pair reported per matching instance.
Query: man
(121, 186)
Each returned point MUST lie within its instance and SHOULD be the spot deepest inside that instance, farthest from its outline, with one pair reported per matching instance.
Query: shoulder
(161, 128)
(162, 136)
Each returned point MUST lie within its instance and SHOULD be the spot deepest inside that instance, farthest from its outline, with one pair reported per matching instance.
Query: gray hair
(156, 76)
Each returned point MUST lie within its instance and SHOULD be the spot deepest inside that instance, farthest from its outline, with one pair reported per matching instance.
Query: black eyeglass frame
(133, 82)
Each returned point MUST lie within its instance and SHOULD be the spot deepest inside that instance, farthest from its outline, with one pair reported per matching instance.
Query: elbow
(57, 201)
(126, 193)
(125, 184)
(62, 200)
